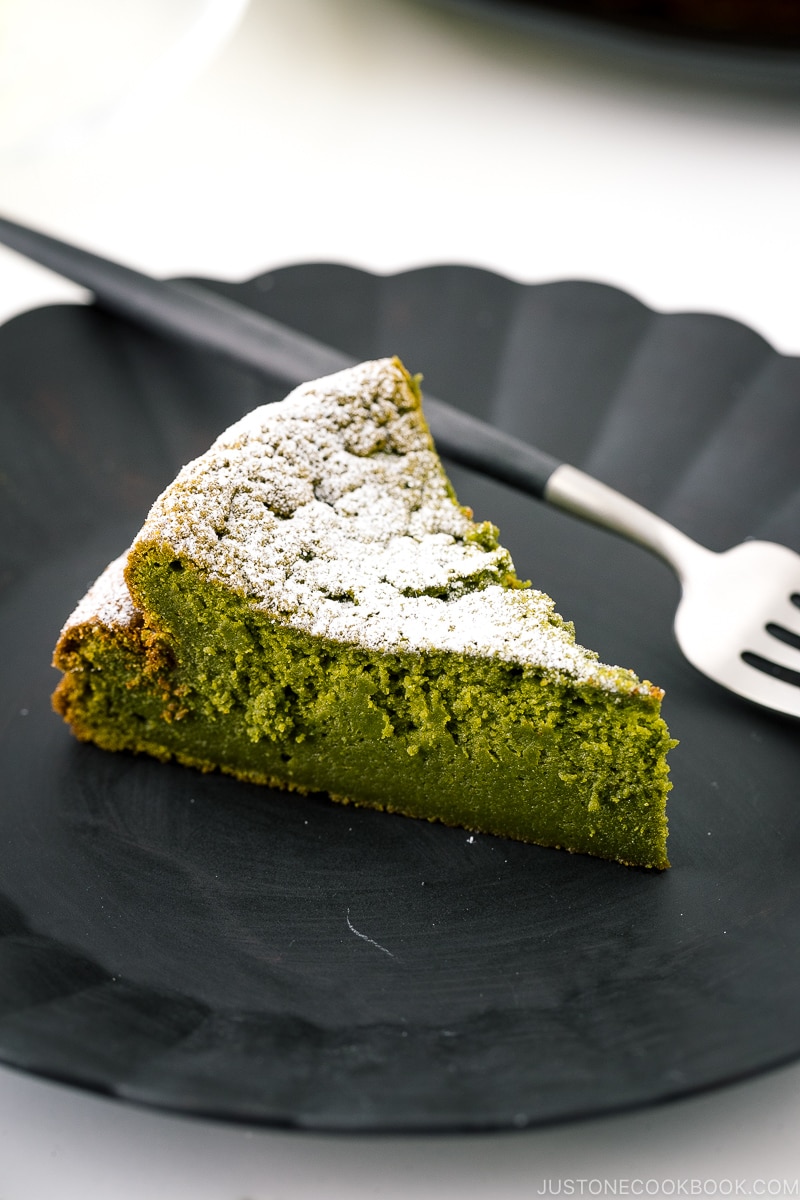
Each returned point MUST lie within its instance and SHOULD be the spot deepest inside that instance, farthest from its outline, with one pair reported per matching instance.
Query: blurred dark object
(744, 45)
(773, 24)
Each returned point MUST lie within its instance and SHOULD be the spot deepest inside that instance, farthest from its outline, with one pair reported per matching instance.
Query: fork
(738, 620)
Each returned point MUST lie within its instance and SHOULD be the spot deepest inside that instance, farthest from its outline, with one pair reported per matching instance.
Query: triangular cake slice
(308, 606)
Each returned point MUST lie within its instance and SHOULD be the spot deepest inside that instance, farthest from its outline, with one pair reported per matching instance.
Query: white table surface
(385, 134)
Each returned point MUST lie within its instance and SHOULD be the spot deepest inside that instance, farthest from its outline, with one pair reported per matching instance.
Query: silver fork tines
(729, 600)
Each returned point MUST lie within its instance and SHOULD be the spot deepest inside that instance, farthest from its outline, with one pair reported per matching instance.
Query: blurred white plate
(70, 71)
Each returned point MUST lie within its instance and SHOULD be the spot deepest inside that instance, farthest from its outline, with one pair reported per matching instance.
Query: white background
(385, 134)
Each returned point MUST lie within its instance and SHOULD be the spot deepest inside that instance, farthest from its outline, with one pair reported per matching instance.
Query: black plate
(190, 942)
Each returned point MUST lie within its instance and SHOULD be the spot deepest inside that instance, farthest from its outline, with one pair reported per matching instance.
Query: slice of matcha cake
(309, 607)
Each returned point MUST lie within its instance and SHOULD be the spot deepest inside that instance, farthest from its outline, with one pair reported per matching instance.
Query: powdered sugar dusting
(331, 511)
(107, 602)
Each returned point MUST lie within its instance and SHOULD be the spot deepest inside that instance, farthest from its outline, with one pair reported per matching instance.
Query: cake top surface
(331, 510)
(107, 601)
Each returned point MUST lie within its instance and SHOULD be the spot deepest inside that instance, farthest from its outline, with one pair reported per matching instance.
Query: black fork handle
(191, 314)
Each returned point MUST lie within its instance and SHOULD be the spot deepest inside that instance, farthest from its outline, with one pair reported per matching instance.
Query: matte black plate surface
(190, 942)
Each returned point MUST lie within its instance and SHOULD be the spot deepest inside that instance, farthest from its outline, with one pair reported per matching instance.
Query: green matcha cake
(307, 606)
